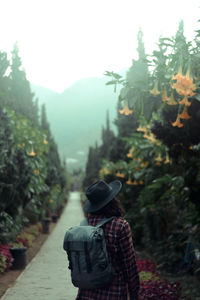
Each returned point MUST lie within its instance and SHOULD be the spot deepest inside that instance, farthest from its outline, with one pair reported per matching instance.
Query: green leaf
(116, 75)
(111, 82)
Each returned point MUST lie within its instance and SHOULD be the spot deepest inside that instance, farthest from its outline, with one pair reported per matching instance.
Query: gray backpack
(87, 254)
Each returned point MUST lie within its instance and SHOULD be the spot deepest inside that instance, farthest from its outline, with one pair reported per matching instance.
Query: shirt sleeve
(128, 260)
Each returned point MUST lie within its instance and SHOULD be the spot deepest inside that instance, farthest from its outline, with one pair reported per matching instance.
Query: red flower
(22, 241)
(146, 265)
(162, 290)
(4, 250)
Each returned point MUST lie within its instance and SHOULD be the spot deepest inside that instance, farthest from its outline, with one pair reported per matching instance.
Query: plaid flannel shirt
(121, 253)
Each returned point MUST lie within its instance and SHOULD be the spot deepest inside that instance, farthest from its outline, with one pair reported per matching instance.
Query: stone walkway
(47, 276)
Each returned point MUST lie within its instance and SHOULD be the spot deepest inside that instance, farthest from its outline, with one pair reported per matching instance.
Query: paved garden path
(47, 276)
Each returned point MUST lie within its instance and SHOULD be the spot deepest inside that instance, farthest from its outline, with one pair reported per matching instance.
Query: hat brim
(89, 207)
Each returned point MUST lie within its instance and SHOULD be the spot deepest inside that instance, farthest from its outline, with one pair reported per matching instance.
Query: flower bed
(24, 239)
(153, 287)
(5, 258)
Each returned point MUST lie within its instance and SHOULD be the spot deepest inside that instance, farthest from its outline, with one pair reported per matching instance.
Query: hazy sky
(61, 41)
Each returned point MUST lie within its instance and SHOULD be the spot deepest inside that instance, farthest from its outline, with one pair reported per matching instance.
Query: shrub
(146, 265)
(2, 263)
(162, 290)
(5, 258)
(26, 239)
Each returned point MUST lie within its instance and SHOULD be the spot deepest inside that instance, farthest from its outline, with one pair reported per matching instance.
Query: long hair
(113, 208)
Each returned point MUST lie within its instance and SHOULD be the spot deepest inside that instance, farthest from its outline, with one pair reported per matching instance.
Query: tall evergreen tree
(92, 166)
(108, 138)
(4, 81)
(138, 73)
(20, 92)
(44, 122)
(180, 56)
(56, 173)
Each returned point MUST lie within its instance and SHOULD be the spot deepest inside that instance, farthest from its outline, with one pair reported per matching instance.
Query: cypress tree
(4, 81)
(20, 94)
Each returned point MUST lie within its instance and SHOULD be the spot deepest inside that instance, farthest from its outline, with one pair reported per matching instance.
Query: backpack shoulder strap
(104, 221)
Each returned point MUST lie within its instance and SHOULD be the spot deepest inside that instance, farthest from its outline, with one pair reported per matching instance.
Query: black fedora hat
(100, 193)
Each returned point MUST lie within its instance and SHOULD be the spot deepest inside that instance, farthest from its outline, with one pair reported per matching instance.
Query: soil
(8, 278)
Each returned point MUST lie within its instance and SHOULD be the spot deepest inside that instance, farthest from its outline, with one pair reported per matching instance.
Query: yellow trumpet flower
(130, 153)
(185, 101)
(178, 75)
(177, 123)
(142, 129)
(155, 90)
(167, 160)
(36, 172)
(145, 164)
(164, 95)
(184, 85)
(171, 100)
(184, 114)
(118, 174)
(158, 158)
(126, 111)
(105, 171)
(129, 182)
(138, 159)
(32, 153)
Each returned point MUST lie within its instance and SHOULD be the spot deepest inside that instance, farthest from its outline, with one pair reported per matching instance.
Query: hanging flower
(142, 129)
(135, 182)
(32, 153)
(105, 171)
(167, 160)
(184, 114)
(158, 158)
(139, 159)
(155, 90)
(129, 182)
(45, 141)
(178, 75)
(118, 174)
(126, 111)
(152, 137)
(146, 136)
(164, 95)
(184, 85)
(130, 154)
(185, 101)
(145, 164)
(177, 123)
(21, 145)
(171, 100)
(36, 172)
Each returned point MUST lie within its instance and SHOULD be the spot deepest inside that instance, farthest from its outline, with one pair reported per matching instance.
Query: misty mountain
(77, 115)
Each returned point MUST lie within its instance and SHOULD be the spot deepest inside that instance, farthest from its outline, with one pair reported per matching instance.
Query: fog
(63, 41)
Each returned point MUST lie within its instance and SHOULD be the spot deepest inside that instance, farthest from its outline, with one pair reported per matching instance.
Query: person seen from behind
(102, 203)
